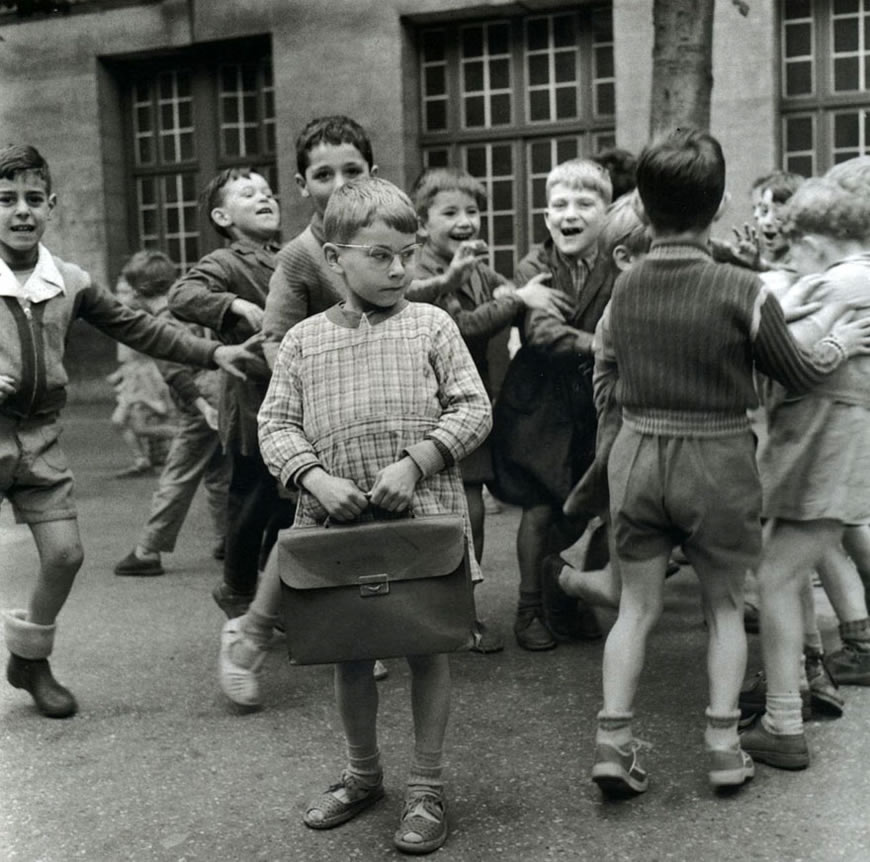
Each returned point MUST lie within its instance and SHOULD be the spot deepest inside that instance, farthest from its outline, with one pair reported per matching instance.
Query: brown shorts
(699, 492)
(34, 474)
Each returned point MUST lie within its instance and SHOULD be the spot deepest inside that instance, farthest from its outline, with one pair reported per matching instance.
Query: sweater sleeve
(779, 356)
(466, 416)
(142, 331)
(201, 295)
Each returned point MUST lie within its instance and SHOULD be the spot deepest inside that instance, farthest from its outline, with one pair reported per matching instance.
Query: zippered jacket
(33, 339)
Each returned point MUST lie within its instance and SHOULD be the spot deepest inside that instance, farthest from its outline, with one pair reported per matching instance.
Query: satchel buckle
(371, 586)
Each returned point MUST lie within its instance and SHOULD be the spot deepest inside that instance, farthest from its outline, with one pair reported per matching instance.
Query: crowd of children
(651, 357)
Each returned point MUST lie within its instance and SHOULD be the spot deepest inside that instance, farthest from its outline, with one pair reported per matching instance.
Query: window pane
(798, 78)
(845, 131)
(475, 161)
(230, 109)
(537, 34)
(502, 230)
(566, 149)
(799, 134)
(435, 83)
(503, 261)
(186, 141)
(436, 158)
(539, 105)
(539, 193)
(473, 77)
(604, 62)
(474, 112)
(798, 8)
(434, 46)
(539, 69)
(231, 143)
(845, 74)
(502, 195)
(252, 145)
(499, 39)
(566, 66)
(436, 115)
(472, 42)
(499, 74)
(502, 161)
(798, 40)
(845, 6)
(500, 106)
(539, 155)
(605, 100)
(802, 165)
(566, 103)
(845, 35)
(563, 31)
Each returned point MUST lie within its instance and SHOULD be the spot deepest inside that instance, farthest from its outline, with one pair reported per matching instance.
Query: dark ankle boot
(35, 677)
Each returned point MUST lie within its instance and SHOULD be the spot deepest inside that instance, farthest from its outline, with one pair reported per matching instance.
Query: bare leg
(60, 557)
(477, 516)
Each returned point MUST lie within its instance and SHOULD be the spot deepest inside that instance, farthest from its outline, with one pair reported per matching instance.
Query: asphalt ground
(157, 766)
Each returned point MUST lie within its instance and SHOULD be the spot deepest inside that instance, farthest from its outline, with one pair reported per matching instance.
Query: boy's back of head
(435, 180)
(22, 158)
(681, 181)
(853, 174)
(149, 273)
(826, 208)
(363, 202)
(336, 129)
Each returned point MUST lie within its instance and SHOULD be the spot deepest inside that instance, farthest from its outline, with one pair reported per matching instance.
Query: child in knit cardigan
(685, 334)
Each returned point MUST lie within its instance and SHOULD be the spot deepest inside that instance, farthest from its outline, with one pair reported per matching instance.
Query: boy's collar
(245, 245)
(43, 283)
(588, 260)
(350, 318)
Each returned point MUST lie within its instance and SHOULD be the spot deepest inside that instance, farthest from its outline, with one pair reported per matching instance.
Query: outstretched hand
(853, 334)
(233, 358)
(748, 245)
(797, 301)
(536, 294)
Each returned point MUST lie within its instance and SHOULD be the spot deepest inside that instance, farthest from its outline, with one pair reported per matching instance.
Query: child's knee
(67, 558)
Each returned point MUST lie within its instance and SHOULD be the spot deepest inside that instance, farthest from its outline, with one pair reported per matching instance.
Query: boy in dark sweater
(685, 334)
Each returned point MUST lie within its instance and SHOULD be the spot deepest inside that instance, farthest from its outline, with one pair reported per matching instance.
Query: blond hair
(582, 174)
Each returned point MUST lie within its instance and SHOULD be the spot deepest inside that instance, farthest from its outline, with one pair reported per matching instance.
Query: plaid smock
(355, 393)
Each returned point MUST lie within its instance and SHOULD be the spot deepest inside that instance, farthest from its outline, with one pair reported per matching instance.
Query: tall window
(190, 116)
(825, 83)
(508, 99)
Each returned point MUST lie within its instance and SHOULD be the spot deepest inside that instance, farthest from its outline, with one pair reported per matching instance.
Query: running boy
(40, 298)
(196, 453)
(406, 371)
(682, 469)
(226, 292)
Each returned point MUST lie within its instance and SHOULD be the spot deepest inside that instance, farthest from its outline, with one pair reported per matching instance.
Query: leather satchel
(378, 589)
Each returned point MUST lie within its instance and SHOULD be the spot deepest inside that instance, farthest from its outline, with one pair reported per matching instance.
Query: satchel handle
(386, 515)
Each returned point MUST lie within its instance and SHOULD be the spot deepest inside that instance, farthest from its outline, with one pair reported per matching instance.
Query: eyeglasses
(383, 257)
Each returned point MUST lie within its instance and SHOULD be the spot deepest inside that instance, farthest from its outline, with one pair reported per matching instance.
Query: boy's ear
(373, 171)
(422, 232)
(330, 252)
(622, 257)
(303, 188)
(723, 205)
(52, 203)
(221, 217)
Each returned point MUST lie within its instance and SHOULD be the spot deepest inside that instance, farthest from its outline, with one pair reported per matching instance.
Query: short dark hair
(336, 130)
(681, 180)
(22, 158)
(435, 180)
(364, 201)
(149, 273)
(781, 184)
(621, 165)
(213, 194)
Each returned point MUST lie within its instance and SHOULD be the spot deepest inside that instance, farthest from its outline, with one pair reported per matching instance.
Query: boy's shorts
(34, 474)
(702, 493)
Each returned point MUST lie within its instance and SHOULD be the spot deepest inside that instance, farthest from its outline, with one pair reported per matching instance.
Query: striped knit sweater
(685, 333)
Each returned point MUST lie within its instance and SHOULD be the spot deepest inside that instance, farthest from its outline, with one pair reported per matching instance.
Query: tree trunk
(682, 76)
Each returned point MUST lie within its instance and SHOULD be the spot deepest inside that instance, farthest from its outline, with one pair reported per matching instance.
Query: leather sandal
(423, 827)
(329, 810)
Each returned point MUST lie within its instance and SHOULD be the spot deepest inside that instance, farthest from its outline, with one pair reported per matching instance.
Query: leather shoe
(530, 631)
(34, 676)
(133, 566)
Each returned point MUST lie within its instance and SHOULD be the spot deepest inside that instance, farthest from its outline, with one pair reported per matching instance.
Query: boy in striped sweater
(685, 334)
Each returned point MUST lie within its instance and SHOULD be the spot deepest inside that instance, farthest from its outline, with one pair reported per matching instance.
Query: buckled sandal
(329, 810)
(423, 827)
